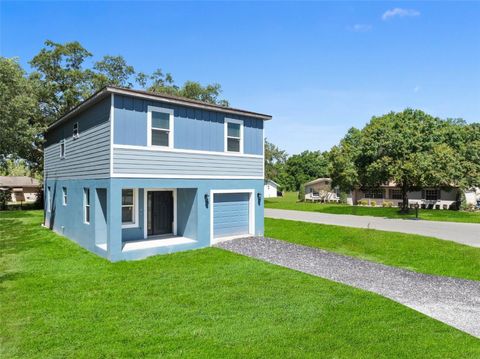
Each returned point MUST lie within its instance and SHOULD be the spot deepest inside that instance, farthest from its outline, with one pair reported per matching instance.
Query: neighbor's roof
(269, 180)
(175, 100)
(18, 181)
(317, 180)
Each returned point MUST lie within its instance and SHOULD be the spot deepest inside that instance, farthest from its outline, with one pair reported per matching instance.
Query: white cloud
(360, 28)
(400, 13)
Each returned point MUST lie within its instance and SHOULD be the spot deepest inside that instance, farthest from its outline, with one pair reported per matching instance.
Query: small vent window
(62, 148)
(75, 130)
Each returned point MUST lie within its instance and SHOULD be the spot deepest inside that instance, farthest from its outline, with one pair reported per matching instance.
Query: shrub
(387, 204)
(373, 203)
(343, 197)
(362, 202)
(5, 197)
(301, 193)
(471, 207)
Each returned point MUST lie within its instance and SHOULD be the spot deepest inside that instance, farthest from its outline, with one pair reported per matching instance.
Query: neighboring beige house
(270, 189)
(321, 190)
(24, 189)
(433, 198)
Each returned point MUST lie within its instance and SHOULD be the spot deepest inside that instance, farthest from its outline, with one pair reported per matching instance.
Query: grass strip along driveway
(59, 300)
(418, 253)
(290, 201)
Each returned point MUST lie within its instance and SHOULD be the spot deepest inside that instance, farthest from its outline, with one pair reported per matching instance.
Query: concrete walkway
(453, 301)
(464, 233)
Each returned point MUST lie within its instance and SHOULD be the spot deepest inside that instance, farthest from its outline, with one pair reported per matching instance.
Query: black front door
(160, 212)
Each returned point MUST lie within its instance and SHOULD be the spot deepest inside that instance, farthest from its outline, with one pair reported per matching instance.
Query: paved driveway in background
(464, 233)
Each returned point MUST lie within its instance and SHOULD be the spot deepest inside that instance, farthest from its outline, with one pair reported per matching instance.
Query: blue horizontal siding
(139, 161)
(87, 156)
(194, 129)
(230, 214)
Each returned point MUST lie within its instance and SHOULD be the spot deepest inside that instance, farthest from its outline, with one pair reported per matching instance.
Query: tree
(208, 93)
(63, 82)
(60, 81)
(20, 120)
(5, 197)
(342, 167)
(305, 167)
(275, 159)
(114, 71)
(410, 148)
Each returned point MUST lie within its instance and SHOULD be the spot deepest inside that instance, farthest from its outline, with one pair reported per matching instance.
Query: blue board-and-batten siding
(87, 156)
(194, 129)
(170, 163)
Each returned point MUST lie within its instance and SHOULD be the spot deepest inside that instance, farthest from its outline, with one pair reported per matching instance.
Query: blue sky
(318, 67)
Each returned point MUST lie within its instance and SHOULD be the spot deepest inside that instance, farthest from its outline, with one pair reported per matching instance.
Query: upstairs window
(161, 131)
(233, 136)
(75, 130)
(62, 149)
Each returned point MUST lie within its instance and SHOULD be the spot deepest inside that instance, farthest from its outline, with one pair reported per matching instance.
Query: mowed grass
(58, 300)
(418, 253)
(290, 201)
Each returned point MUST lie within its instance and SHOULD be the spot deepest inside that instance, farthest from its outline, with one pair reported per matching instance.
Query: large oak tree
(411, 148)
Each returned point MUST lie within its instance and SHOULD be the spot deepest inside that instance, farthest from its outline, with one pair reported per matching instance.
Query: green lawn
(290, 201)
(58, 300)
(418, 253)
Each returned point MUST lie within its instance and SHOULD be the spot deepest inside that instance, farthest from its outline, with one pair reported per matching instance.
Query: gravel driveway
(450, 300)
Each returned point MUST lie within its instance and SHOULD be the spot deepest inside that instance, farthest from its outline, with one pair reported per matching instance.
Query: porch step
(156, 243)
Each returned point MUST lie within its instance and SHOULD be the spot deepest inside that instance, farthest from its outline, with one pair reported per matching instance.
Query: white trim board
(112, 128)
(145, 209)
(139, 175)
(251, 212)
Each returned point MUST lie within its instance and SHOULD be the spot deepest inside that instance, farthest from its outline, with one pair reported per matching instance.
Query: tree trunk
(405, 207)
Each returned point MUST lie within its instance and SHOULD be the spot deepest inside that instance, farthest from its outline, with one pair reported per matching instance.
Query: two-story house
(129, 174)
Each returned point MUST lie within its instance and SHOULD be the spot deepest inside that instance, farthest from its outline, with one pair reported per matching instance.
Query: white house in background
(430, 198)
(24, 189)
(321, 190)
(270, 189)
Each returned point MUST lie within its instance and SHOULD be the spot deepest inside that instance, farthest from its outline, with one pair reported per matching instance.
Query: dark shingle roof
(159, 97)
(18, 181)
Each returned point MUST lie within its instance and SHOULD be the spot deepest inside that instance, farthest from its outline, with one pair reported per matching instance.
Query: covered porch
(148, 220)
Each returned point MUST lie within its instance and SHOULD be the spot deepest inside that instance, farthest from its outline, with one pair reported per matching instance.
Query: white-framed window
(64, 196)
(160, 127)
(86, 205)
(49, 199)
(396, 194)
(129, 207)
(233, 135)
(432, 194)
(375, 193)
(63, 145)
(75, 131)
